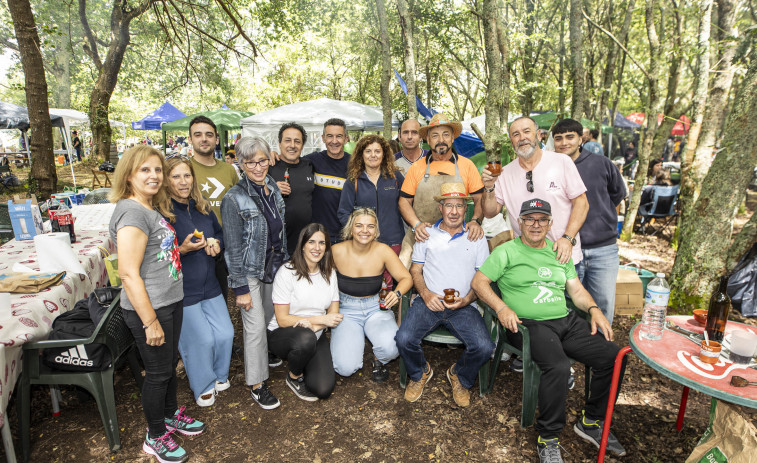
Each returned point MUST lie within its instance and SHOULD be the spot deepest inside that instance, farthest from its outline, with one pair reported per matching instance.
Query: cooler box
(629, 293)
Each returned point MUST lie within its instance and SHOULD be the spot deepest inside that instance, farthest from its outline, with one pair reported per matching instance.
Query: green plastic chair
(531, 372)
(111, 332)
(443, 336)
(6, 227)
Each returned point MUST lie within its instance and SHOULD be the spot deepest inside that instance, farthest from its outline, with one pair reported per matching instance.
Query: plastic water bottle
(655, 308)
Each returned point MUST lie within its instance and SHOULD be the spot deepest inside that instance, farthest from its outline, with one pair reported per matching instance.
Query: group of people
(332, 241)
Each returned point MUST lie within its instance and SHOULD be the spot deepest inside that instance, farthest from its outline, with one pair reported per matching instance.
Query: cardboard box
(25, 217)
(629, 295)
(503, 237)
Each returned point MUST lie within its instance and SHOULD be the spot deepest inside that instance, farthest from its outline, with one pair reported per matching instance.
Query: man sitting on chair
(532, 283)
(446, 260)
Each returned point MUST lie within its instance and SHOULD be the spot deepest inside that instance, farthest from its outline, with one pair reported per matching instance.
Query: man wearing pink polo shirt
(542, 174)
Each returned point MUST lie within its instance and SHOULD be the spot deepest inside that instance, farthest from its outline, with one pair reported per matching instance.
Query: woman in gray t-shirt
(152, 293)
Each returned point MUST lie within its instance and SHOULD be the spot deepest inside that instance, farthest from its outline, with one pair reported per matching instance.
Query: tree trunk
(726, 36)
(654, 105)
(561, 69)
(612, 54)
(578, 103)
(495, 88)
(671, 111)
(743, 242)
(701, 81)
(386, 68)
(406, 21)
(61, 95)
(44, 178)
(529, 66)
(704, 245)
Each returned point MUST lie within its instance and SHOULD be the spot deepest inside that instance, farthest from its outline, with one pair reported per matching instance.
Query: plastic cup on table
(743, 346)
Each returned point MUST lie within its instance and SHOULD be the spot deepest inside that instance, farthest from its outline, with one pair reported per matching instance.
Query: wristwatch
(476, 219)
(570, 238)
(399, 295)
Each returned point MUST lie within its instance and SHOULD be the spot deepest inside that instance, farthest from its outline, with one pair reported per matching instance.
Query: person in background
(294, 176)
(207, 332)
(152, 293)
(306, 301)
(592, 146)
(360, 263)
(76, 142)
(655, 167)
(662, 178)
(255, 238)
(374, 182)
(231, 158)
(410, 140)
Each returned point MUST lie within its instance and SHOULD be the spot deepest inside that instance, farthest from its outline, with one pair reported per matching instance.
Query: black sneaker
(264, 397)
(379, 373)
(591, 431)
(516, 365)
(299, 389)
(273, 360)
(549, 450)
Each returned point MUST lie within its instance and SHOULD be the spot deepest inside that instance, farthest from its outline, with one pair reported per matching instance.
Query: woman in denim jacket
(253, 231)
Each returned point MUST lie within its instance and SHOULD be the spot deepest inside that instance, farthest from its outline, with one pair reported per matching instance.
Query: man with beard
(330, 171)
(425, 177)
(214, 177)
(411, 145)
(539, 174)
(294, 176)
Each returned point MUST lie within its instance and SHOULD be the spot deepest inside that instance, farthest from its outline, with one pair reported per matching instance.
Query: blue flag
(422, 109)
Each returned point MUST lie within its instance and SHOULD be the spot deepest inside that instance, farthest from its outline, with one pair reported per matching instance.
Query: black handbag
(273, 260)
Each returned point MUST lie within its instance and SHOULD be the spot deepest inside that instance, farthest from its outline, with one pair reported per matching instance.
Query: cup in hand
(495, 167)
(743, 346)
(450, 294)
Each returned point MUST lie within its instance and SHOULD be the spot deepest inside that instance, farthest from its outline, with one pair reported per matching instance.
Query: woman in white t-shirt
(306, 301)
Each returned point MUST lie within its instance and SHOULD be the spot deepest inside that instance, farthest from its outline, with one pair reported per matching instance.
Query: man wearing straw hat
(425, 177)
(444, 264)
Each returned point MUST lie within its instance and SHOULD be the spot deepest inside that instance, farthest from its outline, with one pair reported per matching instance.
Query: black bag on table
(77, 324)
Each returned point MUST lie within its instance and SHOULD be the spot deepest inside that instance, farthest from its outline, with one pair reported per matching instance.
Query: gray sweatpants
(255, 322)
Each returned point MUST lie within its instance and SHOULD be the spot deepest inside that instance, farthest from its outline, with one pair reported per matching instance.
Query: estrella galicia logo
(544, 272)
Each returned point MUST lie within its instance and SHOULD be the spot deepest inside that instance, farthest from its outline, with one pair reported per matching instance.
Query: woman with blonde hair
(360, 263)
(152, 293)
(207, 333)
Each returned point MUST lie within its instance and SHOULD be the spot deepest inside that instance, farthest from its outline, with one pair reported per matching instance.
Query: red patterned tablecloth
(31, 315)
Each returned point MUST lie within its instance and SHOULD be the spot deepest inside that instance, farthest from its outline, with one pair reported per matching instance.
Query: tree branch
(238, 26)
(622, 47)
(91, 49)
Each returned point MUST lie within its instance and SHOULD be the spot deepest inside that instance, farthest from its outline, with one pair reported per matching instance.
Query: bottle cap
(660, 275)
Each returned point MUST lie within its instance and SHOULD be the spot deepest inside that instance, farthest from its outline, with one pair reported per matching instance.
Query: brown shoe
(414, 389)
(459, 393)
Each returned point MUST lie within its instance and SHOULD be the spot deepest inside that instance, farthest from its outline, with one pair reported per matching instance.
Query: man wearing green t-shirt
(533, 284)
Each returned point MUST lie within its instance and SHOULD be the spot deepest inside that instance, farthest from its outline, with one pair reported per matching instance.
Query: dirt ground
(364, 421)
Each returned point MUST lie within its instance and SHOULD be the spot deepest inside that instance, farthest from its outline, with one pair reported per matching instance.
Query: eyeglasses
(251, 164)
(450, 206)
(530, 221)
(530, 184)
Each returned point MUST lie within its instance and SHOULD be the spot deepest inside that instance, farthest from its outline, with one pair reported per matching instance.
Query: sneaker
(183, 424)
(379, 373)
(164, 448)
(517, 365)
(207, 399)
(549, 450)
(459, 392)
(264, 397)
(414, 389)
(222, 386)
(591, 431)
(571, 381)
(273, 360)
(299, 388)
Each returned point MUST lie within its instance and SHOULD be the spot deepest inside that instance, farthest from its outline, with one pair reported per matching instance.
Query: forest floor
(365, 421)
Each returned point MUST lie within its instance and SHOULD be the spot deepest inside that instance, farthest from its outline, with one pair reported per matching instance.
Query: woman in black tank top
(360, 262)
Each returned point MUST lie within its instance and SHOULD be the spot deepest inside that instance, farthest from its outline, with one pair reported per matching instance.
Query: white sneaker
(209, 401)
(222, 386)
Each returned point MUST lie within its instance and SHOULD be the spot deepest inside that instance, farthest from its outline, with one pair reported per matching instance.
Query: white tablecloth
(92, 217)
(30, 316)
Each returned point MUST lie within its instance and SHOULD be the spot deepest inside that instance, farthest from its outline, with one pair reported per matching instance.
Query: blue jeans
(598, 272)
(205, 344)
(465, 323)
(362, 318)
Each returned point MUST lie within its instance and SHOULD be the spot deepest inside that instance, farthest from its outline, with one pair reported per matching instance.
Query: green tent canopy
(225, 120)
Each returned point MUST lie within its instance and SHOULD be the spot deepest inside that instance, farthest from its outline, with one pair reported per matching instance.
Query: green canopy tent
(225, 120)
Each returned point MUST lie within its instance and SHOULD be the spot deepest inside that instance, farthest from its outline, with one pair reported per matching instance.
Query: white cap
(660, 275)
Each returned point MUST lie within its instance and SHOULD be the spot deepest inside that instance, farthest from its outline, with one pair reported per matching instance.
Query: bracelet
(416, 225)
(144, 327)
(489, 190)
(592, 307)
(500, 310)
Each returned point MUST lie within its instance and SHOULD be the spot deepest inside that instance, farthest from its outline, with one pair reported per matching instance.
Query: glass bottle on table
(717, 313)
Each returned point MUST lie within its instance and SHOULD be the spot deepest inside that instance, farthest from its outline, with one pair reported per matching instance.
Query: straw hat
(440, 120)
(452, 191)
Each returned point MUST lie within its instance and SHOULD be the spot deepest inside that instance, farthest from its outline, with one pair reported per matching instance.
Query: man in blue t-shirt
(330, 170)
(532, 284)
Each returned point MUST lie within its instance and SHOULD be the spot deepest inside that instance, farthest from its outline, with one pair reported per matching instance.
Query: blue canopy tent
(155, 120)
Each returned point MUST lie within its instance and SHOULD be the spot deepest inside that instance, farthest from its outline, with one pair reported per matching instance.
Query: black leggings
(159, 389)
(305, 353)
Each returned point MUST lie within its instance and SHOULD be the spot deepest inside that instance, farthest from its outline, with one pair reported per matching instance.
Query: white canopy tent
(312, 115)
